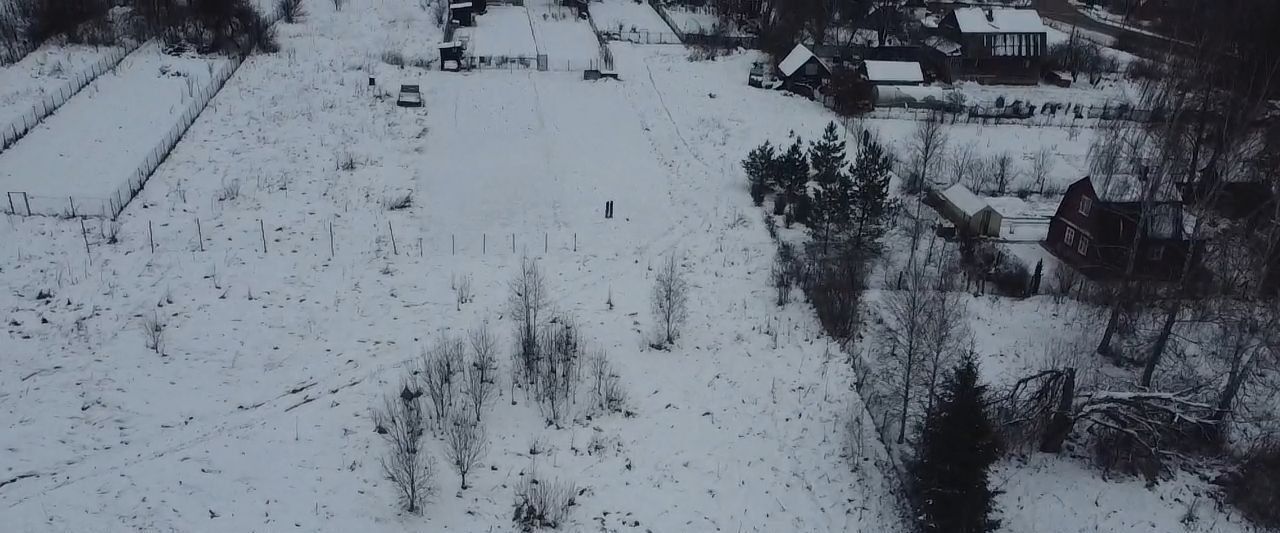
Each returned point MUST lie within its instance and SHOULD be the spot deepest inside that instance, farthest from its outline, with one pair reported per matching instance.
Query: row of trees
(225, 26)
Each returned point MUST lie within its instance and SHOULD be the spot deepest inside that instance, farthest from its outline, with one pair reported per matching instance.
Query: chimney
(991, 17)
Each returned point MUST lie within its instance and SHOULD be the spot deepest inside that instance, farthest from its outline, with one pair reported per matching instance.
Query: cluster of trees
(844, 205)
(222, 26)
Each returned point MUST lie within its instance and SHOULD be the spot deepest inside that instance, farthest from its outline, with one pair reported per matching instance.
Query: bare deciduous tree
(670, 300)
(928, 144)
(904, 328)
(481, 373)
(528, 301)
(153, 332)
(438, 372)
(964, 166)
(401, 424)
(465, 443)
(1041, 167)
(1000, 166)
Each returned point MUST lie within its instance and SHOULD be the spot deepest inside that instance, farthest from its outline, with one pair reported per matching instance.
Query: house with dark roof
(1098, 229)
(993, 44)
(803, 72)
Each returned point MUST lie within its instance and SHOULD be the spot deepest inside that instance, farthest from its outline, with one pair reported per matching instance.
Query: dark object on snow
(608, 209)
(410, 96)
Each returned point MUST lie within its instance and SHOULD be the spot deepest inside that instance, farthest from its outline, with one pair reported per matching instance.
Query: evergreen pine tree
(869, 196)
(827, 156)
(956, 450)
(759, 166)
(832, 210)
(793, 176)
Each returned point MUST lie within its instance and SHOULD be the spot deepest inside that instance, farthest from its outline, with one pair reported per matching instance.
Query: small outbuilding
(802, 71)
(451, 55)
(971, 215)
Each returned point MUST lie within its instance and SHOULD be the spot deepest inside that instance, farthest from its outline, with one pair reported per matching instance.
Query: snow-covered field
(730, 430)
(692, 19)
(91, 146)
(627, 16)
(42, 72)
(301, 300)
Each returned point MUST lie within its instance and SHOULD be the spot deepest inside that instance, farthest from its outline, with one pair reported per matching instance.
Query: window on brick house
(1070, 237)
(1083, 246)
(1086, 204)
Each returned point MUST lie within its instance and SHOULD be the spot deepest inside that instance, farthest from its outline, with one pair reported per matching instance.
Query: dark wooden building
(803, 72)
(1096, 232)
(996, 45)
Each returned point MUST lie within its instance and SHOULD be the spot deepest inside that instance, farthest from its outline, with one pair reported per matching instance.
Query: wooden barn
(803, 72)
(1096, 230)
(996, 45)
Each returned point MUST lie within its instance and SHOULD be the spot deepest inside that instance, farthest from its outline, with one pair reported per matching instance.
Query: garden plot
(627, 16)
(41, 73)
(94, 143)
(502, 31)
(567, 41)
(693, 19)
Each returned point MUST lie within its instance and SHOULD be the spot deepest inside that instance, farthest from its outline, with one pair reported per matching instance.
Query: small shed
(451, 55)
(972, 216)
(894, 72)
(802, 71)
(463, 13)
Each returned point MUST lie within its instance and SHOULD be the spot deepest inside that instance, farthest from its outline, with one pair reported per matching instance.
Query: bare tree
(481, 373)
(559, 368)
(401, 424)
(928, 144)
(439, 369)
(606, 385)
(964, 166)
(153, 333)
(465, 443)
(908, 310)
(528, 301)
(1000, 166)
(670, 300)
(1041, 167)
(945, 334)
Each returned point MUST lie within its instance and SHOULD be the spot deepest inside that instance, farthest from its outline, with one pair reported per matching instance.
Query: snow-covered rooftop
(907, 71)
(998, 20)
(964, 200)
(797, 58)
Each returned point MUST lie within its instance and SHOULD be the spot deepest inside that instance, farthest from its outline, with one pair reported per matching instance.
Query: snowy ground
(627, 16)
(258, 417)
(42, 72)
(94, 142)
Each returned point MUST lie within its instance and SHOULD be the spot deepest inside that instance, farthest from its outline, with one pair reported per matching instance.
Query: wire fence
(1051, 114)
(540, 62)
(111, 207)
(323, 238)
(643, 37)
(19, 127)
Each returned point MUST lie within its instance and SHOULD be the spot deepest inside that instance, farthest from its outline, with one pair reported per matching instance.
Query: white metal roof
(797, 58)
(459, 5)
(1002, 20)
(964, 200)
(908, 71)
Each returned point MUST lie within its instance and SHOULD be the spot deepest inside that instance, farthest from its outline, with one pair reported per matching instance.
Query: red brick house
(1095, 232)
